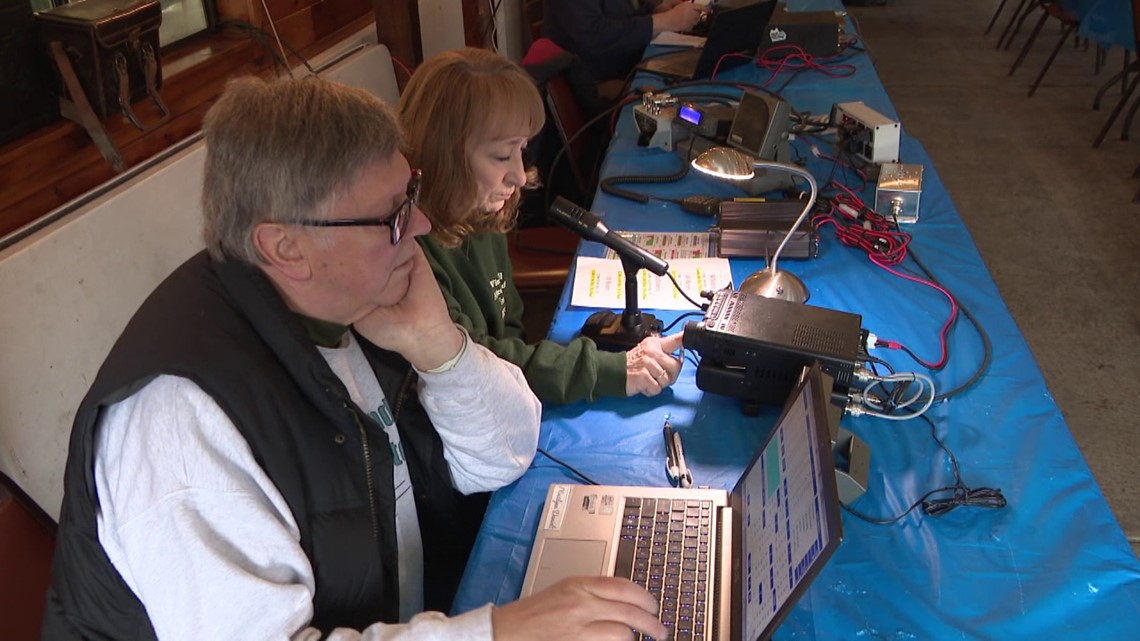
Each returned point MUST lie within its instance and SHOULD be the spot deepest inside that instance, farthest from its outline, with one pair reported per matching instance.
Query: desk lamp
(730, 164)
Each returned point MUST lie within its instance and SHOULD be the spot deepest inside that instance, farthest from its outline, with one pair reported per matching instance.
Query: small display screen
(688, 113)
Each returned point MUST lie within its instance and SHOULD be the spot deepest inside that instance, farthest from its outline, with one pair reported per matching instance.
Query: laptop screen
(789, 508)
(736, 26)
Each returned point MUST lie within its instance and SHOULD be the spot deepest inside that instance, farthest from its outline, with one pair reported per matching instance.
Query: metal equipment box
(898, 191)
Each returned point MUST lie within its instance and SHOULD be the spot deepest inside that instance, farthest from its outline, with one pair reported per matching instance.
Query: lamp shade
(730, 164)
(724, 163)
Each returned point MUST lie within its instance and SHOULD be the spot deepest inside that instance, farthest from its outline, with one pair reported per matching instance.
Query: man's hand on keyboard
(596, 608)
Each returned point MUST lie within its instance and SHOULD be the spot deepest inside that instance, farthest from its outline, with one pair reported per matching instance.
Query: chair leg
(995, 17)
(1024, 16)
(1029, 44)
(1121, 75)
(1136, 174)
(1021, 7)
(1124, 74)
(1048, 63)
(1116, 112)
(1127, 126)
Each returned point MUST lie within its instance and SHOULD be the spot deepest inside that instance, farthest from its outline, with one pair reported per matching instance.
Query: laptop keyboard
(682, 64)
(664, 547)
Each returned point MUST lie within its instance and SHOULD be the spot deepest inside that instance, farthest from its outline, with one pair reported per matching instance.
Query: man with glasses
(291, 438)
(397, 221)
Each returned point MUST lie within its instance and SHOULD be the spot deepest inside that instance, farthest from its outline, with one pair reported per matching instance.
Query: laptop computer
(724, 565)
(735, 26)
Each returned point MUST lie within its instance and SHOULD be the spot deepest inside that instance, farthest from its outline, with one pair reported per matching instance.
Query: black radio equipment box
(818, 33)
(755, 348)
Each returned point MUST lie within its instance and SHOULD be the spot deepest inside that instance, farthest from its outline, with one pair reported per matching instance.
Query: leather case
(106, 52)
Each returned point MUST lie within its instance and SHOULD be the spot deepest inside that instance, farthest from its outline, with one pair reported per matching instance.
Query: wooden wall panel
(57, 163)
(398, 27)
(238, 10)
(478, 24)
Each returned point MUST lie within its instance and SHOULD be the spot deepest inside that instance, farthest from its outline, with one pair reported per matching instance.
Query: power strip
(866, 133)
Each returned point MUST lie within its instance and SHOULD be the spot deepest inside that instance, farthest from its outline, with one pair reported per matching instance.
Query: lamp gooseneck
(730, 164)
(812, 193)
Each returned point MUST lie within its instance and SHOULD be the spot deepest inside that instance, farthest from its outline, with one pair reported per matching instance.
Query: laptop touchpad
(561, 558)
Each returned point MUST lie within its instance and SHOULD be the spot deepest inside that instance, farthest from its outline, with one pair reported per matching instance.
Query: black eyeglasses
(397, 221)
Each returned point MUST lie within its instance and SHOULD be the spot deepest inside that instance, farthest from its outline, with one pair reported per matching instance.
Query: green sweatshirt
(477, 284)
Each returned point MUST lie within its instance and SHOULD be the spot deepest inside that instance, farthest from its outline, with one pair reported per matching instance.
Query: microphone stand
(611, 332)
(614, 333)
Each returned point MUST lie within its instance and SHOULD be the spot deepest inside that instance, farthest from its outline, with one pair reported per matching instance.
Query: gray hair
(281, 150)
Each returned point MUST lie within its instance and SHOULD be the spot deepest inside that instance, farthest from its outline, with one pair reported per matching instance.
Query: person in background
(610, 36)
(291, 437)
(469, 114)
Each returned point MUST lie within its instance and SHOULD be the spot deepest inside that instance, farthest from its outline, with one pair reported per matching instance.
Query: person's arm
(486, 416)
(557, 373)
(587, 28)
(485, 413)
(595, 607)
(579, 370)
(676, 16)
(429, 626)
(492, 314)
(202, 536)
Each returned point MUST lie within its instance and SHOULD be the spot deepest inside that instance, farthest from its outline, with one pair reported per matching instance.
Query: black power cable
(263, 38)
(567, 466)
(961, 495)
(677, 286)
(679, 319)
(987, 347)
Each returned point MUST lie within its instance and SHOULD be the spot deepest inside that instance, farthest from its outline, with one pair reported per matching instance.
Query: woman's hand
(651, 367)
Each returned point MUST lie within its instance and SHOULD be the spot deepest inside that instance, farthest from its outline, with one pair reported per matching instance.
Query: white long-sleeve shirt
(210, 547)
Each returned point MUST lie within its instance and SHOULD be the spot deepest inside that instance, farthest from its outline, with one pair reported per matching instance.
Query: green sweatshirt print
(476, 280)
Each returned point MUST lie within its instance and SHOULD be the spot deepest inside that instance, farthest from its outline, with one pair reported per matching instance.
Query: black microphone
(610, 331)
(589, 226)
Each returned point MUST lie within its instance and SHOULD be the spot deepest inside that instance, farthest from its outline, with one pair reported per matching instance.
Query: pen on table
(675, 464)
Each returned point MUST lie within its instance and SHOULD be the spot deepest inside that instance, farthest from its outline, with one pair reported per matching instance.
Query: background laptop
(724, 565)
(735, 26)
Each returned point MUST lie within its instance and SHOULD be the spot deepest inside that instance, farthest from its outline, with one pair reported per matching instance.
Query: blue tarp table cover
(1053, 564)
(1108, 22)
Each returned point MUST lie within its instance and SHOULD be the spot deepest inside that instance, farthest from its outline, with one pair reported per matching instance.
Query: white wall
(510, 29)
(67, 291)
(441, 26)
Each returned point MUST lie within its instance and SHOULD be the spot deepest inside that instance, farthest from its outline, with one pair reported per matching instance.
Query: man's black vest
(225, 327)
